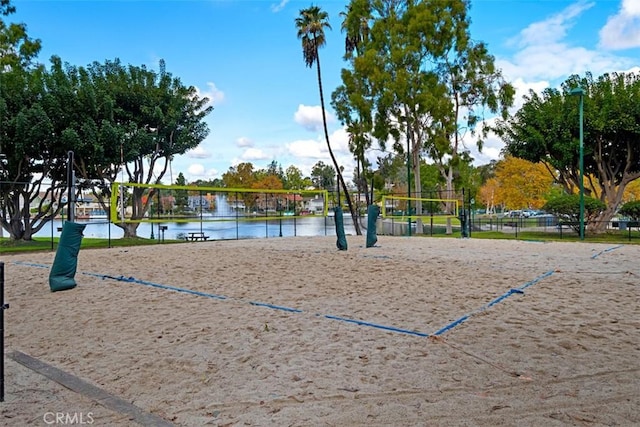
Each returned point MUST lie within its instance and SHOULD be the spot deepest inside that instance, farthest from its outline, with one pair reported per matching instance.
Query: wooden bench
(196, 236)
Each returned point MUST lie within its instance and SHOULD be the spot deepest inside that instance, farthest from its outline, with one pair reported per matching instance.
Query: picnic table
(196, 236)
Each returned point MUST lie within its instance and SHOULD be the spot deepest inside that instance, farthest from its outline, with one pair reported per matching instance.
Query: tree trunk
(130, 229)
(417, 182)
(354, 215)
(449, 195)
(19, 226)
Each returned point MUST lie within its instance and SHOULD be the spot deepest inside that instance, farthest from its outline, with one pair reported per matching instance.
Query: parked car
(518, 214)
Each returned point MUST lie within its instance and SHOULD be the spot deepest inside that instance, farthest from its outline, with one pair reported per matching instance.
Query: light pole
(578, 91)
(408, 188)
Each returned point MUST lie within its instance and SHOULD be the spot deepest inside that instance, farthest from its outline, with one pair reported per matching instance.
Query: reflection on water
(216, 230)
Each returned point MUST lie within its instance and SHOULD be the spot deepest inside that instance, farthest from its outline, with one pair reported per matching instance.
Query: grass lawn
(45, 244)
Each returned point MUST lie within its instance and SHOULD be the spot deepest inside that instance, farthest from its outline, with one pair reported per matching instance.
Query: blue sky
(244, 55)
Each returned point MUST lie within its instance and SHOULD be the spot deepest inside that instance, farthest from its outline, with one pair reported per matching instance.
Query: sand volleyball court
(291, 331)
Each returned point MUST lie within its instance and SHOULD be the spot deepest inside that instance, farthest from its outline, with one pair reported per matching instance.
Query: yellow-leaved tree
(521, 184)
(632, 191)
(488, 194)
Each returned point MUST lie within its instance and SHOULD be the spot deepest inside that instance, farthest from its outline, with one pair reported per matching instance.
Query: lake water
(216, 230)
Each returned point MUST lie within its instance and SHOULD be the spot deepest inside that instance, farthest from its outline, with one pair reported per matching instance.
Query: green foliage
(275, 169)
(215, 182)
(18, 50)
(323, 176)
(631, 209)
(111, 116)
(293, 179)
(181, 196)
(567, 207)
(431, 178)
(25, 135)
(413, 70)
(546, 129)
(311, 25)
(240, 176)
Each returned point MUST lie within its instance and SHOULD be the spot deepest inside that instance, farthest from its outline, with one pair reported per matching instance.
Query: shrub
(631, 209)
(567, 208)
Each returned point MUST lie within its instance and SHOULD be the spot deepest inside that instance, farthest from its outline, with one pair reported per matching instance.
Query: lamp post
(578, 91)
(408, 188)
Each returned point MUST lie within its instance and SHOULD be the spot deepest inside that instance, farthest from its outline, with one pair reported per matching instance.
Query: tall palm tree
(311, 25)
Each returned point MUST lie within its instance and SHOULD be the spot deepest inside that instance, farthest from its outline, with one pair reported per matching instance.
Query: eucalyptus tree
(546, 129)
(352, 100)
(311, 25)
(354, 114)
(386, 91)
(475, 87)
(429, 81)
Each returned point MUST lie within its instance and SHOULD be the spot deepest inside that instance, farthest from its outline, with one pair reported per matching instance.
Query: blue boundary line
(254, 303)
(31, 264)
(275, 307)
(375, 325)
(221, 297)
(518, 290)
(605, 251)
(156, 285)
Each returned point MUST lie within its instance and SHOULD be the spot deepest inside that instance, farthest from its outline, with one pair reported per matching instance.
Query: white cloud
(215, 95)
(491, 149)
(199, 153)
(195, 169)
(622, 30)
(308, 152)
(543, 58)
(522, 89)
(243, 142)
(551, 29)
(493, 144)
(278, 7)
(198, 171)
(310, 117)
(542, 53)
(339, 141)
(253, 154)
(317, 148)
(308, 149)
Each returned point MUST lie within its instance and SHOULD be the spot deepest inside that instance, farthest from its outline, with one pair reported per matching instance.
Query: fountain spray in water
(222, 208)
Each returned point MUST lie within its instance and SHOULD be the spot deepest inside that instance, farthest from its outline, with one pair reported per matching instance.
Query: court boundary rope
(455, 323)
(510, 292)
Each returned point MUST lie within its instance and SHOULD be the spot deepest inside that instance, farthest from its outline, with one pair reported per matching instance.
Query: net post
(3, 307)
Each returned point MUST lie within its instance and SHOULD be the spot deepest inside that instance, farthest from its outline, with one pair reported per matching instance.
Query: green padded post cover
(64, 266)
(372, 217)
(342, 239)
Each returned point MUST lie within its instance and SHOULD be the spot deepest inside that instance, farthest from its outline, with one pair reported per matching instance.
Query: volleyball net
(411, 208)
(134, 202)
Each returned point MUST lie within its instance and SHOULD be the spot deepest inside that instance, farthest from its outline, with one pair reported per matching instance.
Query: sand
(531, 334)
